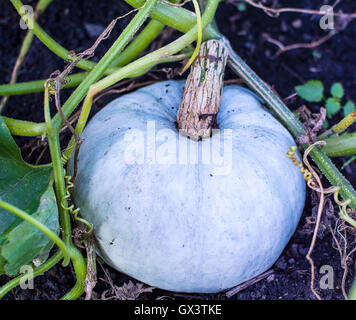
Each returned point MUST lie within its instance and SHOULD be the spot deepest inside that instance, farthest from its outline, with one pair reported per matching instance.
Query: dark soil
(69, 23)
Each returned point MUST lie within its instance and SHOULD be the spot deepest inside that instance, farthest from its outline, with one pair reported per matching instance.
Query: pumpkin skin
(184, 227)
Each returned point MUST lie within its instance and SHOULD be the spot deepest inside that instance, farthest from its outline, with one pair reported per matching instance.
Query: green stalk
(129, 55)
(40, 226)
(352, 295)
(176, 17)
(266, 93)
(179, 18)
(58, 173)
(49, 42)
(339, 146)
(139, 44)
(348, 162)
(153, 58)
(340, 127)
(83, 118)
(292, 123)
(32, 129)
(54, 148)
(72, 81)
(51, 262)
(42, 6)
(55, 151)
(24, 128)
(334, 176)
(38, 85)
(141, 65)
(80, 270)
(75, 98)
(144, 63)
(26, 44)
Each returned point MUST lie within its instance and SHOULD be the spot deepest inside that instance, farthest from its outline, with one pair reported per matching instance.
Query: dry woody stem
(202, 93)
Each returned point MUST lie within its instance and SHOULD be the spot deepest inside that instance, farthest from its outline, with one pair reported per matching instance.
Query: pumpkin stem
(202, 93)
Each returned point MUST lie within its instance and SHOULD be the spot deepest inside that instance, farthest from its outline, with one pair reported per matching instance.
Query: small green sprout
(316, 54)
(337, 90)
(241, 6)
(349, 107)
(313, 91)
(333, 106)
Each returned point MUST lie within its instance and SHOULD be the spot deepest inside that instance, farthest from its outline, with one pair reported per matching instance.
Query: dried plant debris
(313, 123)
(128, 291)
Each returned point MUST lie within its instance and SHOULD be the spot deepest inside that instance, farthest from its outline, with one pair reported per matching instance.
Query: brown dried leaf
(131, 291)
(313, 123)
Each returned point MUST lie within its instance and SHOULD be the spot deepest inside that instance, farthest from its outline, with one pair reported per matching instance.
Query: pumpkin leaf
(29, 188)
(337, 90)
(311, 91)
(349, 107)
(25, 242)
(333, 106)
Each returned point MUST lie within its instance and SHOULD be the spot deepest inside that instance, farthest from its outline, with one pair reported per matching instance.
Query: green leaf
(337, 90)
(25, 242)
(26, 187)
(311, 91)
(333, 106)
(349, 107)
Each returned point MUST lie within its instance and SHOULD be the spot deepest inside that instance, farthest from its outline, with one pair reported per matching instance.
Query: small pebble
(270, 278)
(281, 263)
(303, 251)
(284, 26)
(298, 23)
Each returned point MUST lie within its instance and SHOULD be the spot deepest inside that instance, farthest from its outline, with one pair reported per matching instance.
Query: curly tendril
(292, 155)
(74, 211)
(308, 176)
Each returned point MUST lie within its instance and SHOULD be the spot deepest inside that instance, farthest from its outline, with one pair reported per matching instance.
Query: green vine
(49, 233)
(26, 44)
(293, 124)
(50, 263)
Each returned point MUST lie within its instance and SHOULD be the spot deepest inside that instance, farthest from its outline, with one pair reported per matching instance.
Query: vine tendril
(292, 155)
(71, 208)
(308, 176)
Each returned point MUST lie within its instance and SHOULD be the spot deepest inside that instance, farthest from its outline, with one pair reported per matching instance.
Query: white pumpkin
(180, 225)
